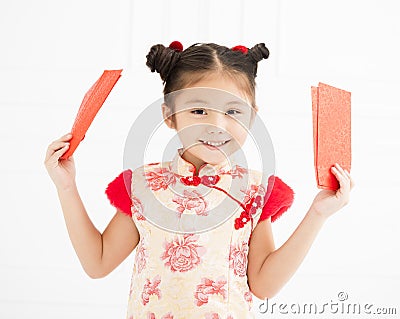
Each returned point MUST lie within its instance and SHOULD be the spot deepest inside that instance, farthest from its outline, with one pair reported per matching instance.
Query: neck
(194, 160)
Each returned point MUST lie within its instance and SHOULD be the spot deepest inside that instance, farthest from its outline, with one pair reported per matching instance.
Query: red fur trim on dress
(278, 202)
(118, 192)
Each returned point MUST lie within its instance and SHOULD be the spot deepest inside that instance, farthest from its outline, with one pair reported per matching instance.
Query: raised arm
(269, 269)
(99, 253)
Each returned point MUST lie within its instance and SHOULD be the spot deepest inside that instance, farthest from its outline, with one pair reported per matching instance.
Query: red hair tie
(241, 48)
(176, 45)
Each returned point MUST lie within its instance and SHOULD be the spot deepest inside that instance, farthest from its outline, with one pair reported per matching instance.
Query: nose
(217, 123)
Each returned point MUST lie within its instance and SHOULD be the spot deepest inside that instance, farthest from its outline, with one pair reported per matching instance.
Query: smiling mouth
(214, 144)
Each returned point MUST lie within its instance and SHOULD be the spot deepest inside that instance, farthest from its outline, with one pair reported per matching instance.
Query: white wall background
(52, 51)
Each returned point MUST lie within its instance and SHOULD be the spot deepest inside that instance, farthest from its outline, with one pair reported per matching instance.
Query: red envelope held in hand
(91, 104)
(331, 113)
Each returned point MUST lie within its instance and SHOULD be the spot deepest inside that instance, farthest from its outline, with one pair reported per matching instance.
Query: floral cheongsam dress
(195, 230)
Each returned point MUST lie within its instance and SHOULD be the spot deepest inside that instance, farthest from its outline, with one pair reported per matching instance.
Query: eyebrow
(205, 102)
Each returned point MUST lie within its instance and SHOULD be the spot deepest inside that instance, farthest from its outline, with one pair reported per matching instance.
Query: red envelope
(331, 113)
(91, 104)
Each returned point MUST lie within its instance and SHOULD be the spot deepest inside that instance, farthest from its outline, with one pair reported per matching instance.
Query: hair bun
(162, 59)
(259, 52)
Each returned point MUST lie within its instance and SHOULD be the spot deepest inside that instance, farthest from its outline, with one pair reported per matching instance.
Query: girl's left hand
(327, 202)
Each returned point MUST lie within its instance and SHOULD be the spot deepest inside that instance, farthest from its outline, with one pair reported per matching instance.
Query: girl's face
(212, 118)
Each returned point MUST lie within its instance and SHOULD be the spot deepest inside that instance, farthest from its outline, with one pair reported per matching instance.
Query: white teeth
(214, 143)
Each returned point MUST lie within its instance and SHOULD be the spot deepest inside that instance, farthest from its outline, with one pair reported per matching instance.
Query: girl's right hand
(62, 172)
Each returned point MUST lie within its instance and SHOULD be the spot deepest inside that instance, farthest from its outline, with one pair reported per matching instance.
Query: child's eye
(233, 112)
(198, 112)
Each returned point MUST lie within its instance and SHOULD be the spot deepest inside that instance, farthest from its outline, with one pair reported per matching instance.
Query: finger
(346, 176)
(347, 173)
(337, 172)
(54, 147)
(56, 156)
(340, 169)
(351, 182)
(342, 179)
(57, 144)
(350, 178)
(64, 138)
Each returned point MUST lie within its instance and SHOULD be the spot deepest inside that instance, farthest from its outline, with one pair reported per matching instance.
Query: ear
(166, 112)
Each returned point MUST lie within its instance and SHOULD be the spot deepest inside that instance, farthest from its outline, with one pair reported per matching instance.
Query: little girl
(180, 270)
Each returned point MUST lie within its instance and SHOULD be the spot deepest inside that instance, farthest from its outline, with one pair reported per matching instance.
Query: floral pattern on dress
(141, 257)
(159, 178)
(254, 198)
(214, 315)
(199, 275)
(249, 193)
(238, 258)
(151, 288)
(192, 201)
(151, 315)
(249, 298)
(209, 287)
(237, 172)
(258, 201)
(183, 253)
(137, 208)
(254, 204)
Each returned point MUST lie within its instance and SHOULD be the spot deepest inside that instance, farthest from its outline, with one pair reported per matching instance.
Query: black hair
(178, 69)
